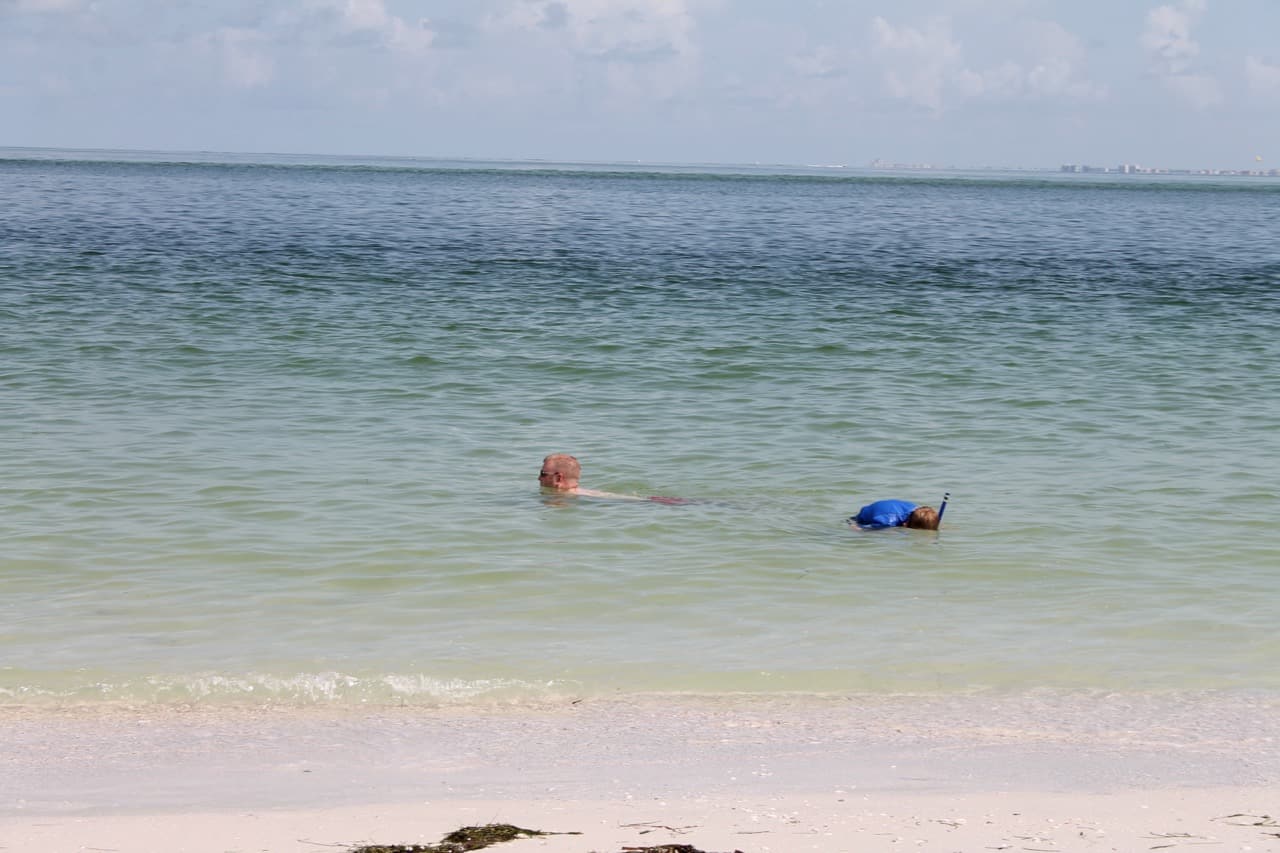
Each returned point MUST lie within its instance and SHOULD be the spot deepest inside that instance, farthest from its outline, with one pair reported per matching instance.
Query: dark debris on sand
(667, 848)
(478, 837)
(462, 840)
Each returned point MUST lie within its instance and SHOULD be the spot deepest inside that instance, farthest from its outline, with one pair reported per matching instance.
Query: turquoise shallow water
(271, 428)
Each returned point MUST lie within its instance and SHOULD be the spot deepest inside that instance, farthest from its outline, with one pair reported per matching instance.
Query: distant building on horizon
(1133, 169)
(1123, 169)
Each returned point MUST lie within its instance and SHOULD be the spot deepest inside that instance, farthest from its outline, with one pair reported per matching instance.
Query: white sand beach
(1087, 772)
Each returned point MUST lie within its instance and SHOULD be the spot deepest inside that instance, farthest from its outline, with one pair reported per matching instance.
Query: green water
(271, 431)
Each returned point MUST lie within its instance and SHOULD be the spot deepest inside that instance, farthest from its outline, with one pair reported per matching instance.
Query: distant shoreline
(835, 169)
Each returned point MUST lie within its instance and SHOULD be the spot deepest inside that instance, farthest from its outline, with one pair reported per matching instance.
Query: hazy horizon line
(875, 164)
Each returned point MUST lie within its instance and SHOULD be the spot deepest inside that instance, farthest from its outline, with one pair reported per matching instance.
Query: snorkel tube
(946, 496)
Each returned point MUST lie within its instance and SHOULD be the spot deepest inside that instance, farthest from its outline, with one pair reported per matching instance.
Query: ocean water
(270, 428)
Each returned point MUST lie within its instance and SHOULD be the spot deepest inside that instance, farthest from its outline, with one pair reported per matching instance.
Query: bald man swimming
(560, 472)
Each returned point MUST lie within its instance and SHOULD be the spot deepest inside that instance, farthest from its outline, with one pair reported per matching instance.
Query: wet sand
(1045, 771)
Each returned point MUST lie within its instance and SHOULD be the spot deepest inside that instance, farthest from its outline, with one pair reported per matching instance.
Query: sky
(968, 83)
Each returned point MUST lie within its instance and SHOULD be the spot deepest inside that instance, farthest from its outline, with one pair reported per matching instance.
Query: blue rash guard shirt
(881, 514)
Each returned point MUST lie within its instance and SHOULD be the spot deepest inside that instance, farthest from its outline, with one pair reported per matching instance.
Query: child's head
(922, 518)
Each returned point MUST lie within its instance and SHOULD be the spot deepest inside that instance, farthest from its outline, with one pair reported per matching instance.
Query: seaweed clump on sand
(667, 848)
(462, 840)
(478, 837)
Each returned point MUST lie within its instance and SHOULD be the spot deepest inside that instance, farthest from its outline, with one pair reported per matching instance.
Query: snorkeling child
(896, 513)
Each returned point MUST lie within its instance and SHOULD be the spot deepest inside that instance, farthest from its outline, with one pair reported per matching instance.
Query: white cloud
(631, 30)
(243, 55)
(634, 31)
(1004, 81)
(624, 51)
(926, 65)
(366, 14)
(821, 62)
(1172, 53)
(372, 16)
(1263, 76)
(919, 63)
(1058, 62)
(1167, 37)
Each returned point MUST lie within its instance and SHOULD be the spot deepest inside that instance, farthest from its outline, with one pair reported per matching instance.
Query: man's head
(922, 518)
(560, 472)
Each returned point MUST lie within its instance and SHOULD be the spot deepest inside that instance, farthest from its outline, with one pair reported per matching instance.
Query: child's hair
(922, 518)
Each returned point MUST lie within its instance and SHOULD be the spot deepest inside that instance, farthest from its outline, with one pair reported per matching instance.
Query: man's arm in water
(661, 499)
(594, 493)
